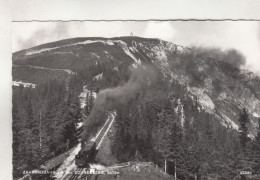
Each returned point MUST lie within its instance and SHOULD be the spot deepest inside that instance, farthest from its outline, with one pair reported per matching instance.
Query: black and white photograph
(145, 100)
(129, 90)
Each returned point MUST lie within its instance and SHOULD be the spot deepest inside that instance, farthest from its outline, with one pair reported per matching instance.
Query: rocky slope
(221, 88)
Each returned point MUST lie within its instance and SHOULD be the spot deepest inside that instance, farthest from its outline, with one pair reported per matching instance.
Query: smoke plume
(231, 56)
(112, 98)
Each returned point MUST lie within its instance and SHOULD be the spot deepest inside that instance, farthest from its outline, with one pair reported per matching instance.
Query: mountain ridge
(221, 88)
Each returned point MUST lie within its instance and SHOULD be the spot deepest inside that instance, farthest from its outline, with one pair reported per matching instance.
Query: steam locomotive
(86, 154)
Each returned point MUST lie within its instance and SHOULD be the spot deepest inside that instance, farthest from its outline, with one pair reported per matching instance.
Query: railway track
(98, 139)
(104, 129)
(77, 173)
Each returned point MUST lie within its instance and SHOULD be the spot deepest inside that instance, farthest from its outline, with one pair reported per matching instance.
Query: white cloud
(161, 30)
(25, 35)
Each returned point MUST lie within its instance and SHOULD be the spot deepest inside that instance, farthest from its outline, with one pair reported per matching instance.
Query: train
(89, 150)
(86, 155)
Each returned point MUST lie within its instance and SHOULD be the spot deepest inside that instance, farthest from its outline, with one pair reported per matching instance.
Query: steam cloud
(231, 56)
(112, 98)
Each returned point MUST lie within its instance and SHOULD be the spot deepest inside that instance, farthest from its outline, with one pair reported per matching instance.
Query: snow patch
(28, 53)
(94, 55)
(79, 125)
(98, 77)
(181, 110)
(106, 42)
(98, 167)
(126, 50)
(53, 69)
(199, 109)
(115, 68)
(83, 95)
(67, 71)
(133, 49)
(222, 96)
(68, 164)
(229, 122)
(200, 69)
(181, 49)
(38, 51)
(255, 115)
(24, 84)
(137, 61)
(135, 65)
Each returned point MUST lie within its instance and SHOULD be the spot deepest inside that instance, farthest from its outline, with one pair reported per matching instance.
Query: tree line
(166, 122)
(44, 123)
(45, 118)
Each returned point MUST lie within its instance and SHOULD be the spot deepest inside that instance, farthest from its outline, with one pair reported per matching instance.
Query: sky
(243, 36)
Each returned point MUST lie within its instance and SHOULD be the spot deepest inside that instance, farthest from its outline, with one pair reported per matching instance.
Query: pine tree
(257, 138)
(17, 156)
(71, 117)
(91, 100)
(243, 119)
(119, 140)
(32, 135)
(258, 133)
(87, 110)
